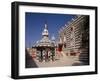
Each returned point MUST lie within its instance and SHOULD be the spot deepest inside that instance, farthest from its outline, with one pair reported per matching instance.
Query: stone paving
(62, 61)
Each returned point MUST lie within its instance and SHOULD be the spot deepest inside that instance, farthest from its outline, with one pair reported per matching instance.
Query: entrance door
(60, 47)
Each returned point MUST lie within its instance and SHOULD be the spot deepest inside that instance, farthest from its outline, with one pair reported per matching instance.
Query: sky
(34, 25)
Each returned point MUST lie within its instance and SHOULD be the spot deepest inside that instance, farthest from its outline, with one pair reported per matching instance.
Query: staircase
(84, 56)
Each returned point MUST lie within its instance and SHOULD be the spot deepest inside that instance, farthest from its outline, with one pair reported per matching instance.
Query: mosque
(73, 41)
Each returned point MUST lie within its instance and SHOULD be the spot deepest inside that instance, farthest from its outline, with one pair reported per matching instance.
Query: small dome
(53, 37)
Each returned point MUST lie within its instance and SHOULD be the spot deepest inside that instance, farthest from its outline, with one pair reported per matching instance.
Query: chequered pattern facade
(75, 36)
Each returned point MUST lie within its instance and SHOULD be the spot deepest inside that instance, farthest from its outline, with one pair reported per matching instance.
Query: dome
(53, 37)
(45, 41)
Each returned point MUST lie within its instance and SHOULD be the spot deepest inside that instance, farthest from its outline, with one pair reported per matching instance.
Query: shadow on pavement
(29, 62)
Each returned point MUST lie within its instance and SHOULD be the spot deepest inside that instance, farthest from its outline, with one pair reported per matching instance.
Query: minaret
(60, 40)
(64, 39)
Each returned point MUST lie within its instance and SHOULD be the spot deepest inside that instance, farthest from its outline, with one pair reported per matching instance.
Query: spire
(45, 26)
(45, 31)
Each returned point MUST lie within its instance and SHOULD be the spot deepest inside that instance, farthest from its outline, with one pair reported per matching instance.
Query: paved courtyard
(61, 61)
